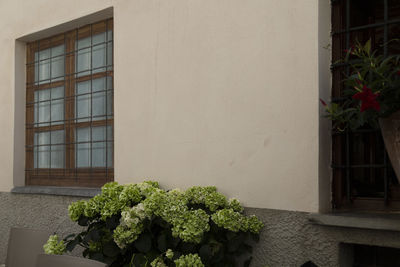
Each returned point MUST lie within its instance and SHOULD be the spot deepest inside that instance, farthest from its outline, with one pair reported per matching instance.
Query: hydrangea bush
(144, 225)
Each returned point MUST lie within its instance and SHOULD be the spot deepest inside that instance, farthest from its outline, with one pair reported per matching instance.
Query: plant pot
(390, 128)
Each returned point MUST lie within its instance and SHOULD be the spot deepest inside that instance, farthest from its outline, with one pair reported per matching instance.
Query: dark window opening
(369, 256)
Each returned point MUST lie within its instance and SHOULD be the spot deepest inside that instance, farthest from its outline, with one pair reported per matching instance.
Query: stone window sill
(59, 191)
(374, 221)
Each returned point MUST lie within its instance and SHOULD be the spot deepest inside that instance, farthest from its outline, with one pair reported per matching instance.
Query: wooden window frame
(70, 175)
(343, 198)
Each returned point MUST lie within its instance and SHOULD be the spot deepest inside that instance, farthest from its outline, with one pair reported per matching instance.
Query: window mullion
(30, 109)
(69, 102)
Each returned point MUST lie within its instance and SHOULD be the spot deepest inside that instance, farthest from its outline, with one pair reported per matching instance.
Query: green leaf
(143, 243)
(71, 236)
(255, 237)
(235, 243)
(95, 235)
(247, 262)
(187, 247)
(97, 256)
(139, 260)
(112, 222)
(83, 221)
(367, 47)
(110, 249)
(162, 242)
(230, 235)
(72, 244)
(173, 242)
(205, 252)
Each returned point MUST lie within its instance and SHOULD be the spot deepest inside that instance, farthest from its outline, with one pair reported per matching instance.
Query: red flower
(322, 102)
(350, 50)
(368, 99)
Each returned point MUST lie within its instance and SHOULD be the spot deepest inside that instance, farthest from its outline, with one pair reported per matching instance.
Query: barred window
(69, 108)
(362, 174)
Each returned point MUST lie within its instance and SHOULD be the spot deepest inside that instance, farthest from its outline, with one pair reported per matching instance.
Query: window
(368, 256)
(69, 109)
(362, 175)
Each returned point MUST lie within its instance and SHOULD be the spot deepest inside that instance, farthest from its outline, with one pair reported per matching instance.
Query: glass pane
(94, 149)
(83, 62)
(363, 12)
(99, 58)
(49, 149)
(92, 54)
(394, 9)
(94, 105)
(57, 106)
(42, 107)
(109, 96)
(109, 50)
(57, 69)
(394, 45)
(42, 68)
(99, 52)
(82, 147)
(49, 66)
(83, 101)
(49, 106)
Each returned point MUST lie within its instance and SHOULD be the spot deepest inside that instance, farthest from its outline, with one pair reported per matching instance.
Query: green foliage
(372, 89)
(143, 225)
(189, 260)
(54, 246)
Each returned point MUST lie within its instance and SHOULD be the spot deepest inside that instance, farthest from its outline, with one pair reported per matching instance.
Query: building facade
(222, 93)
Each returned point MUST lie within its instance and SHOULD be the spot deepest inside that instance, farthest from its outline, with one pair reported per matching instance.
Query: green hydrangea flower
(93, 206)
(228, 219)
(198, 194)
(255, 225)
(215, 200)
(148, 187)
(172, 207)
(94, 246)
(158, 262)
(234, 204)
(76, 210)
(54, 246)
(111, 190)
(192, 227)
(208, 196)
(235, 221)
(111, 208)
(126, 235)
(189, 260)
(169, 254)
(130, 194)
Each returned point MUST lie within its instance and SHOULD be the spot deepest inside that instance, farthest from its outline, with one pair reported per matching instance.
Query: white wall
(207, 92)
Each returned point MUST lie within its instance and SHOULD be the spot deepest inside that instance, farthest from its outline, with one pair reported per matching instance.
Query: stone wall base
(288, 239)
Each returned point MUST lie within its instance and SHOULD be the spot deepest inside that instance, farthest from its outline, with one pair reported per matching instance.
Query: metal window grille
(362, 174)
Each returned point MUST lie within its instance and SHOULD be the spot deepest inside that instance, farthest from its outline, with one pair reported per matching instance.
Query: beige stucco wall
(207, 92)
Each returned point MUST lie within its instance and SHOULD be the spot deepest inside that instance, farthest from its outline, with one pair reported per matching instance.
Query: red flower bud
(350, 50)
